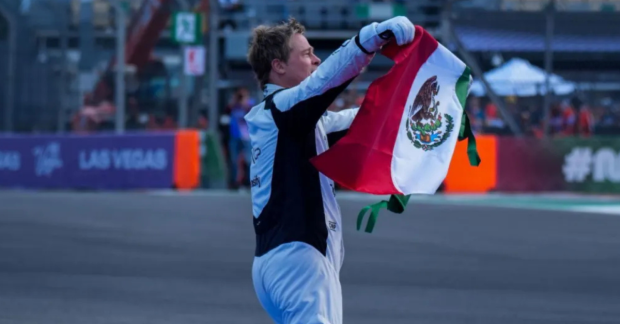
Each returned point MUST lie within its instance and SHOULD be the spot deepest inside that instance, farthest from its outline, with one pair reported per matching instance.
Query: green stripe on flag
(462, 85)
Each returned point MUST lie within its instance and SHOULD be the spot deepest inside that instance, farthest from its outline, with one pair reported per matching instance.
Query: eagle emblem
(424, 122)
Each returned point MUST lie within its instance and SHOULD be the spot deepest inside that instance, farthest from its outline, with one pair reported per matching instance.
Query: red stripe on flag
(362, 160)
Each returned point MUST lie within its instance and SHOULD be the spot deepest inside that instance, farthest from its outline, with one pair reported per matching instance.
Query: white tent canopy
(518, 77)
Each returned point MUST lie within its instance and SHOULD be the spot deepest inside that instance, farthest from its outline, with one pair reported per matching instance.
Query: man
(299, 249)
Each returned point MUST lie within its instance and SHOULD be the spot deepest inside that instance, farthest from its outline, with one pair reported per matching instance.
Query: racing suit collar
(270, 88)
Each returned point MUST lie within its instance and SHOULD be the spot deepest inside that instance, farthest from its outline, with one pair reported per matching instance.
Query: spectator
(556, 123)
(239, 143)
(569, 118)
(135, 121)
(585, 121)
(203, 120)
(476, 115)
(492, 118)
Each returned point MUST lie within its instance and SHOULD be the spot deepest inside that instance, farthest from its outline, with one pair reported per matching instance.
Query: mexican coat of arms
(424, 128)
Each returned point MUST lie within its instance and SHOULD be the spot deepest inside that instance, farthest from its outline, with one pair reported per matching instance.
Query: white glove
(402, 29)
(375, 35)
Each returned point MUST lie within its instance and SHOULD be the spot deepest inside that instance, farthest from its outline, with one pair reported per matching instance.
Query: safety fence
(189, 159)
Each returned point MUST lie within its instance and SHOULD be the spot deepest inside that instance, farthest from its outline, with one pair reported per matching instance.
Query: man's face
(301, 62)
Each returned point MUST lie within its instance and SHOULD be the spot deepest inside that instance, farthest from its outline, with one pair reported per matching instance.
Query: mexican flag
(404, 136)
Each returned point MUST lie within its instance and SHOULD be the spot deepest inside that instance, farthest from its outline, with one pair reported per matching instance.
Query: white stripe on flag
(427, 157)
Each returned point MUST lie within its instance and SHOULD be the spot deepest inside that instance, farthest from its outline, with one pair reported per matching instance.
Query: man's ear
(278, 66)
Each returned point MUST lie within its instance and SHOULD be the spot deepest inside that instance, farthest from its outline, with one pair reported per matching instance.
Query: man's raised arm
(298, 109)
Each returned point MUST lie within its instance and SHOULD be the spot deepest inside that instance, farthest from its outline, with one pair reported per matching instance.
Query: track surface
(138, 258)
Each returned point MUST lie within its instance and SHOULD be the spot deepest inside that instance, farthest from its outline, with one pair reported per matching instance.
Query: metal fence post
(10, 71)
(120, 66)
(548, 64)
(183, 79)
(477, 70)
(64, 44)
(213, 53)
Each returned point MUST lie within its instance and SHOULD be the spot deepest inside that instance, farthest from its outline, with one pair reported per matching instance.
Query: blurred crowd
(101, 116)
(568, 117)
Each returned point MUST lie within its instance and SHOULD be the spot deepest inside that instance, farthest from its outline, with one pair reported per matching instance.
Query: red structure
(143, 33)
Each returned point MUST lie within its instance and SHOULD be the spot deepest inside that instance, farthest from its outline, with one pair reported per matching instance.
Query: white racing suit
(297, 221)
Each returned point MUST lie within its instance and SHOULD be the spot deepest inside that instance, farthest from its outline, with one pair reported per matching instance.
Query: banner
(462, 177)
(130, 161)
(567, 164)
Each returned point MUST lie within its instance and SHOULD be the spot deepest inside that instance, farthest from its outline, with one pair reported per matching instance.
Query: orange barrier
(187, 159)
(464, 178)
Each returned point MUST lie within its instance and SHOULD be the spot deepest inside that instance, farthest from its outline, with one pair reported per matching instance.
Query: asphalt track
(138, 258)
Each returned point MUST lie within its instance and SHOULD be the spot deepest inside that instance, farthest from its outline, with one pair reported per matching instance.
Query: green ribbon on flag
(462, 87)
(396, 204)
(466, 133)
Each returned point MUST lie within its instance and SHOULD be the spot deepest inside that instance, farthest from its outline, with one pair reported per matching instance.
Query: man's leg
(319, 301)
(299, 285)
(262, 294)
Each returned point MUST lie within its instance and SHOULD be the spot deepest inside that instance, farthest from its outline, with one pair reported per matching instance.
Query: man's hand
(400, 27)
(375, 35)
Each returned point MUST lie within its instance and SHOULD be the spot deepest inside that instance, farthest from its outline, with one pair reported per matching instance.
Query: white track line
(608, 209)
